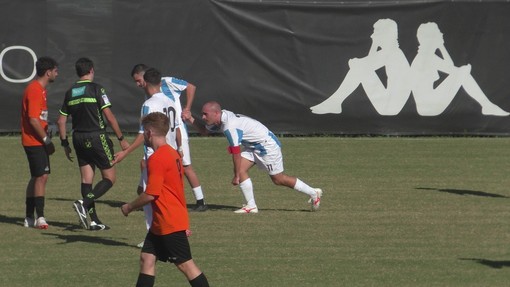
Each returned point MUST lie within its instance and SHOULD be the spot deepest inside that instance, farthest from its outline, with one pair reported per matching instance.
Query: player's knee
(188, 169)
(278, 179)
(111, 179)
(189, 268)
(43, 179)
(283, 180)
(147, 263)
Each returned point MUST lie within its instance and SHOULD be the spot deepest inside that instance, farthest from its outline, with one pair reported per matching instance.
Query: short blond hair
(157, 122)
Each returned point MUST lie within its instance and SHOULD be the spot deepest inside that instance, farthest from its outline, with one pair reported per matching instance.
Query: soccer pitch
(395, 212)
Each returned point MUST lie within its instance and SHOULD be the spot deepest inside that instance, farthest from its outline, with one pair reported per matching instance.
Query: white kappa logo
(403, 79)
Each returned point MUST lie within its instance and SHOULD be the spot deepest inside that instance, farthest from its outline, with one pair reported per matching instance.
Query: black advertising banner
(21, 43)
(360, 68)
(300, 67)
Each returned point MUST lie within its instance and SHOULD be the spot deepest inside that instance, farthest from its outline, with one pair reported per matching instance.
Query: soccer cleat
(41, 223)
(140, 245)
(98, 226)
(316, 202)
(82, 213)
(29, 222)
(199, 208)
(247, 209)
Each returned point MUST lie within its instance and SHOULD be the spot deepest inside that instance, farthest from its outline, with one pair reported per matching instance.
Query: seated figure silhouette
(425, 68)
(384, 53)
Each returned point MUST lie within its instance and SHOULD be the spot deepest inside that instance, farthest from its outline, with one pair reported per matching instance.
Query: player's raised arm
(198, 125)
(190, 96)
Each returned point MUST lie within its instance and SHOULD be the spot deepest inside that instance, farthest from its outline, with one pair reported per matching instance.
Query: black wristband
(64, 142)
(121, 138)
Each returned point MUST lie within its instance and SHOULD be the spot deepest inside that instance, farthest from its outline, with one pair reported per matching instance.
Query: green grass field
(395, 212)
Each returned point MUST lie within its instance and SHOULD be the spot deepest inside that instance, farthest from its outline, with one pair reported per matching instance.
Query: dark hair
(44, 64)
(83, 66)
(152, 77)
(157, 121)
(138, 68)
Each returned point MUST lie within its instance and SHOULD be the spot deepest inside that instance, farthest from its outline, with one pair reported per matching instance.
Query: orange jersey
(33, 106)
(165, 183)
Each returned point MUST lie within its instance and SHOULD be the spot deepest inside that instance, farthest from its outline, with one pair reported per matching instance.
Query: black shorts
(93, 148)
(173, 247)
(38, 160)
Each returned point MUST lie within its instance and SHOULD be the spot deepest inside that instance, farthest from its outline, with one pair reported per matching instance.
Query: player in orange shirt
(167, 237)
(36, 141)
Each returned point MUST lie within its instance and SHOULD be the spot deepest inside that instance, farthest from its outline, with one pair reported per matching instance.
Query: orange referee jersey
(165, 183)
(33, 106)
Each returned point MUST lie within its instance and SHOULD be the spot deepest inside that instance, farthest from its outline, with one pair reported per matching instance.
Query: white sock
(247, 189)
(197, 191)
(304, 188)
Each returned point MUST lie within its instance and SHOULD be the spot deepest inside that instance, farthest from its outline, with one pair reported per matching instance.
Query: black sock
(99, 190)
(199, 281)
(86, 194)
(200, 202)
(39, 206)
(92, 212)
(86, 188)
(145, 280)
(29, 207)
(88, 201)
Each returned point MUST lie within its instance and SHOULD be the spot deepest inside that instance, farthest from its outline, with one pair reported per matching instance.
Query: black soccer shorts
(93, 148)
(173, 247)
(38, 160)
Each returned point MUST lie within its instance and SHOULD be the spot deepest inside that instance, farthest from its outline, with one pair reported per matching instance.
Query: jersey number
(171, 114)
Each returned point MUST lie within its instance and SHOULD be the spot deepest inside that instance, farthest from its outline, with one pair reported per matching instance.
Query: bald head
(212, 106)
(211, 113)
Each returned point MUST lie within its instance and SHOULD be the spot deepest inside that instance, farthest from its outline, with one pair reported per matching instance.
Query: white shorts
(186, 154)
(271, 161)
(143, 179)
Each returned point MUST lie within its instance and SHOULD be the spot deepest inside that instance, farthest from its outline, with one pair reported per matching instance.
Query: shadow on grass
(68, 227)
(12, 220)
(491, 263)
(464, 192)
(20, 220)
(218, 207)
(210, 207)
(285, 210)
(111, 203)
(87, 239)
(214, 207)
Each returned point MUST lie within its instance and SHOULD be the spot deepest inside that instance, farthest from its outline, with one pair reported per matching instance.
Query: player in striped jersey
(251, 143)
(156, 102)
(173, 88)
